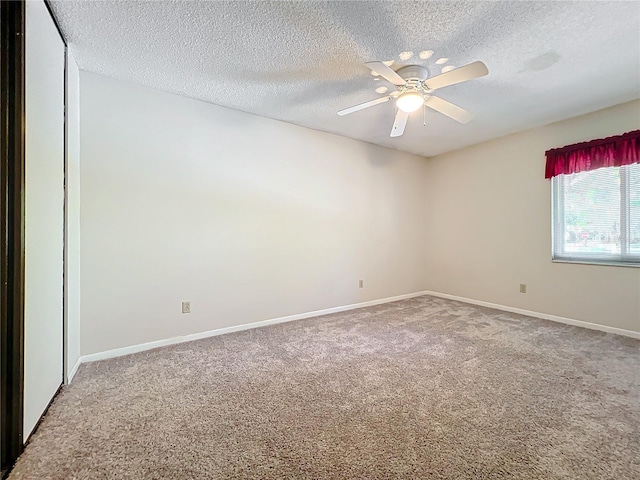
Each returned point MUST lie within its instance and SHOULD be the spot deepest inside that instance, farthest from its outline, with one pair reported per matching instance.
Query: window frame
(624, 259)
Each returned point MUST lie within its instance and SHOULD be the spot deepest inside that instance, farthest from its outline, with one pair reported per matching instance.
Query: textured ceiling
(301, 62)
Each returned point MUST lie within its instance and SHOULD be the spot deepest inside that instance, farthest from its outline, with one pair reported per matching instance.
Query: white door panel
(44, 200)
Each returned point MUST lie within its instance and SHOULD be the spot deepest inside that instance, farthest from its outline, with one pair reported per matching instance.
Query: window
(596, 215)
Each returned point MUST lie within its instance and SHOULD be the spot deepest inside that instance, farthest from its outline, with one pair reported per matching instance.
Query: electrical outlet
(523, 288)
(186, 307)
(361, 284)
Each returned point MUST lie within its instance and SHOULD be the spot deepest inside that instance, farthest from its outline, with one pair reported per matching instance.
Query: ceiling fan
(414, 87)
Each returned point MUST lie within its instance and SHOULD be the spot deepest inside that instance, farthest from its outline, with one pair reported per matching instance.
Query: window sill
(606, 263)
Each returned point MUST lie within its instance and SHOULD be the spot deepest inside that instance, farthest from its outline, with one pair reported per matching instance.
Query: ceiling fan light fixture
(413, 90)
(409, 102)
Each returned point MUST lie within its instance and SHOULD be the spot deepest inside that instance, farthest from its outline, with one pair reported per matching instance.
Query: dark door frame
(12, 227)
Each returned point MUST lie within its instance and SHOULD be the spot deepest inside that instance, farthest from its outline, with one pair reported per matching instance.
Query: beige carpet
(423, 388)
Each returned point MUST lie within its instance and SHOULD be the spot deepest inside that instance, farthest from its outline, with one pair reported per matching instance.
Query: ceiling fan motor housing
(414, 72)
(414, 75)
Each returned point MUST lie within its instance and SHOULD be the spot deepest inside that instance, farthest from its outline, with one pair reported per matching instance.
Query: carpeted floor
(425, 388)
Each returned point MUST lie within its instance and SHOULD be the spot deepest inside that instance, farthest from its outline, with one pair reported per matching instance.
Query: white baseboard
(544, 316)
(118, 352)
(73, 371)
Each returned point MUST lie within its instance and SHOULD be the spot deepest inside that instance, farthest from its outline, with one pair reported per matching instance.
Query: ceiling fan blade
(448, 109)
(387, 73)
(360, 106)
(399, 123)
(462, 74)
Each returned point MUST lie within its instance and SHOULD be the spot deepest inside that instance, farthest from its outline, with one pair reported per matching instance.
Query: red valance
(606, 152)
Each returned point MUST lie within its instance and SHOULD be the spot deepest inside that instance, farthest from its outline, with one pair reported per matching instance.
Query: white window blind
(596, 216)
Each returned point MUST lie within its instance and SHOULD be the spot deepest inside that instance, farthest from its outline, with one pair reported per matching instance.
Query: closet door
(44, 213)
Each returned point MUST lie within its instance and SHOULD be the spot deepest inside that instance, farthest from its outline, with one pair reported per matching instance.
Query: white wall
(44, 200)
(489, 221)
(252, 219)
(72, 218)
(247, 218)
